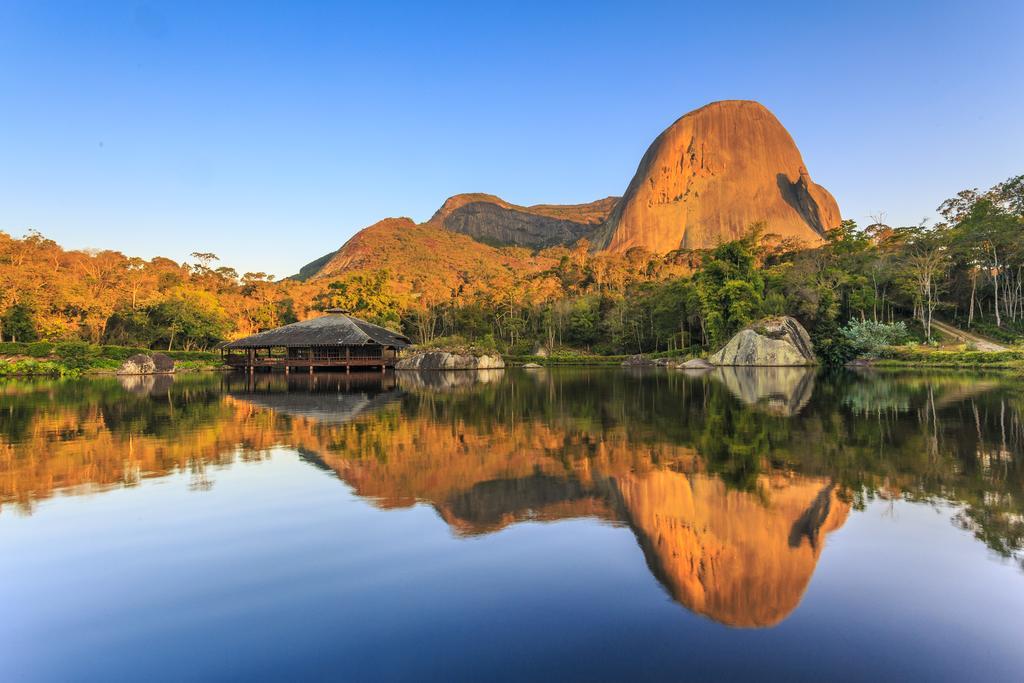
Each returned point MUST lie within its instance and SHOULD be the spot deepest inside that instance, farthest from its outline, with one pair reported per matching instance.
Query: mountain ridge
(707, 178)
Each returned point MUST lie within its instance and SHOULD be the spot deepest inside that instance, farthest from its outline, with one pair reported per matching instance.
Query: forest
(967, 269)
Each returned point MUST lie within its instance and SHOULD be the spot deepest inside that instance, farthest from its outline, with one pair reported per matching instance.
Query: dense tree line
(968, 269)
(49, 293)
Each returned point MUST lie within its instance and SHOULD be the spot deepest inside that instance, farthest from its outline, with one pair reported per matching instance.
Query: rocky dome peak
(710, 176)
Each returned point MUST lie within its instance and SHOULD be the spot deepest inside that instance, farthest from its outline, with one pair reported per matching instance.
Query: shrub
(39, 349)
(120, 353)
(830, 345)
(867, 337)
(12, 348)
(31, 366)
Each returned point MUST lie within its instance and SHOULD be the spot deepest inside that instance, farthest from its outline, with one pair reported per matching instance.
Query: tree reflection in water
(730, 480)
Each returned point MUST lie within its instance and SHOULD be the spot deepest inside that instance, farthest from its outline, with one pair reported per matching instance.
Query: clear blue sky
(269, 133)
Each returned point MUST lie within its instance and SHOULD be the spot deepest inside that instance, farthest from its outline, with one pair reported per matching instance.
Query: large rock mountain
(711, 175)
(707, 179)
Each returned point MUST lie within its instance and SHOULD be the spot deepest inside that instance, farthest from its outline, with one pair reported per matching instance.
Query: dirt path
(980, 343)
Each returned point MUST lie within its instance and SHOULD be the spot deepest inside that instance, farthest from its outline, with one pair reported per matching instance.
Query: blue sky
(269, 133)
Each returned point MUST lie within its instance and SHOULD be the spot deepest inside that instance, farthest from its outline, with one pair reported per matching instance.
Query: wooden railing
(281, 361)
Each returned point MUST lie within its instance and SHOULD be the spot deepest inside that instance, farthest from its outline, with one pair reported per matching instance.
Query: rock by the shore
(778, 341)
(532, 366)
(695, 364)
(163, 363)
(443, 360)
(146, 364)
(138, 364)
(637, 361)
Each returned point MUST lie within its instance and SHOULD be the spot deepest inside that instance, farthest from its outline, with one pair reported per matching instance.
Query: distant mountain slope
(428, 259)
(712, 174)
(494, 221)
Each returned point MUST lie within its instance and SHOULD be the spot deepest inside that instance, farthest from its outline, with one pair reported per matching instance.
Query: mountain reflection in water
(730, 481)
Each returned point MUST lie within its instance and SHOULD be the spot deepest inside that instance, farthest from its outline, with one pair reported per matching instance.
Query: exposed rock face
(146, 364)
(443, 360)
(162, 363)
(710, 176)
(139, 364)
(494, 221)
(770, 342)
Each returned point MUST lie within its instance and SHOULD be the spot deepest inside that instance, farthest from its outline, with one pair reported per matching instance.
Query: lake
(568, 523)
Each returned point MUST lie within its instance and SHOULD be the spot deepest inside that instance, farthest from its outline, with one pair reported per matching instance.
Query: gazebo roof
(333, 329)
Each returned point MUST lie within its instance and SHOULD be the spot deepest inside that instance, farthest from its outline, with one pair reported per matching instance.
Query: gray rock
(637, 361)
(443, 360)
(695, 364)
(780, 341)
(139, 364)
(531, 366)
(163, 363)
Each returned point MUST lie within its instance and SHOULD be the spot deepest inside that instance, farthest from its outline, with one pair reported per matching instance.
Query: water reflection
(730, 481)
(780, 391)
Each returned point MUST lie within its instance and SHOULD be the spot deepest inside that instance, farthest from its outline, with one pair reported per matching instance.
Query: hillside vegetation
(434, 283)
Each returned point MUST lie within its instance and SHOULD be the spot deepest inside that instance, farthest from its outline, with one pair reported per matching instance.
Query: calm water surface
(518, 525)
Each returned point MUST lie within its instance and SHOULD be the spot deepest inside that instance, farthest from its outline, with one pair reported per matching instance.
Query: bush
(120, 353)
(39, 349)
(830, 345)
(867, 337)
(30, 366)
(12, 348)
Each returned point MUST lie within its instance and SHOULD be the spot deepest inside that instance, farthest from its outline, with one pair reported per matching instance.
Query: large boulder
(444, 360)
(778, 341)
(138, 364)
(146, 364)
(162, 363)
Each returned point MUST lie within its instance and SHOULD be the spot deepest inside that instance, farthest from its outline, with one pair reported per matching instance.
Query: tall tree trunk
(974, 289)
(995, 283)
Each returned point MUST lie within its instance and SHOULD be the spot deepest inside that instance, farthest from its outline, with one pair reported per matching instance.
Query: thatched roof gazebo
(334, 340)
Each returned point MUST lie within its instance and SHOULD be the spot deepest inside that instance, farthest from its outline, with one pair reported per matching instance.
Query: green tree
(19, 323)
(730, 288)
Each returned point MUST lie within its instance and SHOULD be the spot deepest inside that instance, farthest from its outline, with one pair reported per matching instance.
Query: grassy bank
(570, 357)
(913, 356)
(69, 359)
